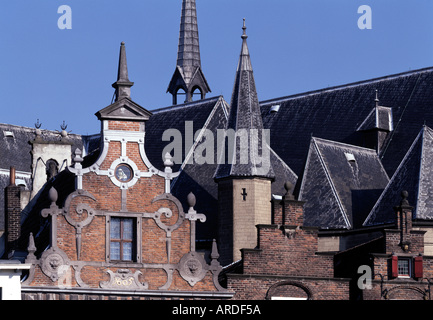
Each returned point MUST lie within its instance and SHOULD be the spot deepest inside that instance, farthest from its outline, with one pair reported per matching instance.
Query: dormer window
(274, 108)
(350, 157)
(8, 134)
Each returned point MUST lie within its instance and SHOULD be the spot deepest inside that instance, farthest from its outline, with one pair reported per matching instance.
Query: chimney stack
(12, 212)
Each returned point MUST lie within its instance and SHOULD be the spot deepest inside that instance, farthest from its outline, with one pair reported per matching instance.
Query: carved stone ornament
(124, 279)
(54, 263)
(192, 268)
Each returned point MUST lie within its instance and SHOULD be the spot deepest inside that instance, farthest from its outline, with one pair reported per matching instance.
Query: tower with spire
(188, 76)
(245, 174)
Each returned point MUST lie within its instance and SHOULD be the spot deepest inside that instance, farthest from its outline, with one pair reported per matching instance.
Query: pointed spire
(188, 75)
(188, 55)
(122, 85)
(245, 60)
(245, 117)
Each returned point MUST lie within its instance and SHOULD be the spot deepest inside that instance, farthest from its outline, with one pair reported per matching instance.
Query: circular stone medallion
(124, 173)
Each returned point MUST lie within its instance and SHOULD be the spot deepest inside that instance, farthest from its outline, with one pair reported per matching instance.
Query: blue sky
(299, 45)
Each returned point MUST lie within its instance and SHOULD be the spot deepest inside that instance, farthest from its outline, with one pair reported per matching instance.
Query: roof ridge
(186, 105)
(392, 179)
(5, 126)
(347, 85)
(344, 144)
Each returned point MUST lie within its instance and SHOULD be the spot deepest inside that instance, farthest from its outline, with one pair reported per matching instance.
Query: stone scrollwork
(123, 279)
(80, 209)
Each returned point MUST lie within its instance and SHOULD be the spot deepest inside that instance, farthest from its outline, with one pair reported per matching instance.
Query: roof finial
(122, 85)
(244, 28)
(377, 99)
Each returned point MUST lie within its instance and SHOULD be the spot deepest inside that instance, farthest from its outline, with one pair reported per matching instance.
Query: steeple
(245, 174)
(188, 75)
(122, 85)
(245, 116)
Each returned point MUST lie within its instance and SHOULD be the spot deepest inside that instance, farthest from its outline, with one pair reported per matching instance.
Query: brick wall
(285, 262)
(159, 249)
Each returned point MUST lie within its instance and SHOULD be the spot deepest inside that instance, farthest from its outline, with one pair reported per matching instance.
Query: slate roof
(336, 113)
(340, 184)
(245, 116)
(16, 149)
(31, 219)
(175, 118)
(209, 114)
(339, 115)
(414, 175)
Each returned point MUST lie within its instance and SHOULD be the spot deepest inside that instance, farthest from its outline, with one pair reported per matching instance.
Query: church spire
(188, 75)
(122, 85)
(245, 116)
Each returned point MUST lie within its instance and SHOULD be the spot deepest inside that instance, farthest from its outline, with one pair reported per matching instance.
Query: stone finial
(78, 159)
(168, 163)
(31, 248)
(289, 191)
(215, 254)
(191, 200)
(404, 202)
(53, 195)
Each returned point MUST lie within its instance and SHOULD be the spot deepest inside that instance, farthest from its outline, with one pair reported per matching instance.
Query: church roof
(340, 184)
(414, 175)
(336, 113)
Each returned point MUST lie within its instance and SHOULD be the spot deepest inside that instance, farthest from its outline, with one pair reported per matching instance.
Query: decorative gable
(124, 109)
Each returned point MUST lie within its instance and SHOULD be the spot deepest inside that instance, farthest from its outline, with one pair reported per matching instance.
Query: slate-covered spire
(250, 155)
(188, 75)
(122, 85)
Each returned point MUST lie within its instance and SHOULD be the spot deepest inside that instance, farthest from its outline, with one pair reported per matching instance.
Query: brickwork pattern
(285, 262)
(137, 202)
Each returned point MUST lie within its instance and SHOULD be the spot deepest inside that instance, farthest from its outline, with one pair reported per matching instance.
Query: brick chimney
(12, 212)
(288, 211)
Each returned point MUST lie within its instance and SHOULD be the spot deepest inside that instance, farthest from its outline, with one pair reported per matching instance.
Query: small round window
(123, 173)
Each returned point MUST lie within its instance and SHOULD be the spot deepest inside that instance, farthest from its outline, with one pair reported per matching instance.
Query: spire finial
(122, 85)
(377, 98)
(244, 28)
